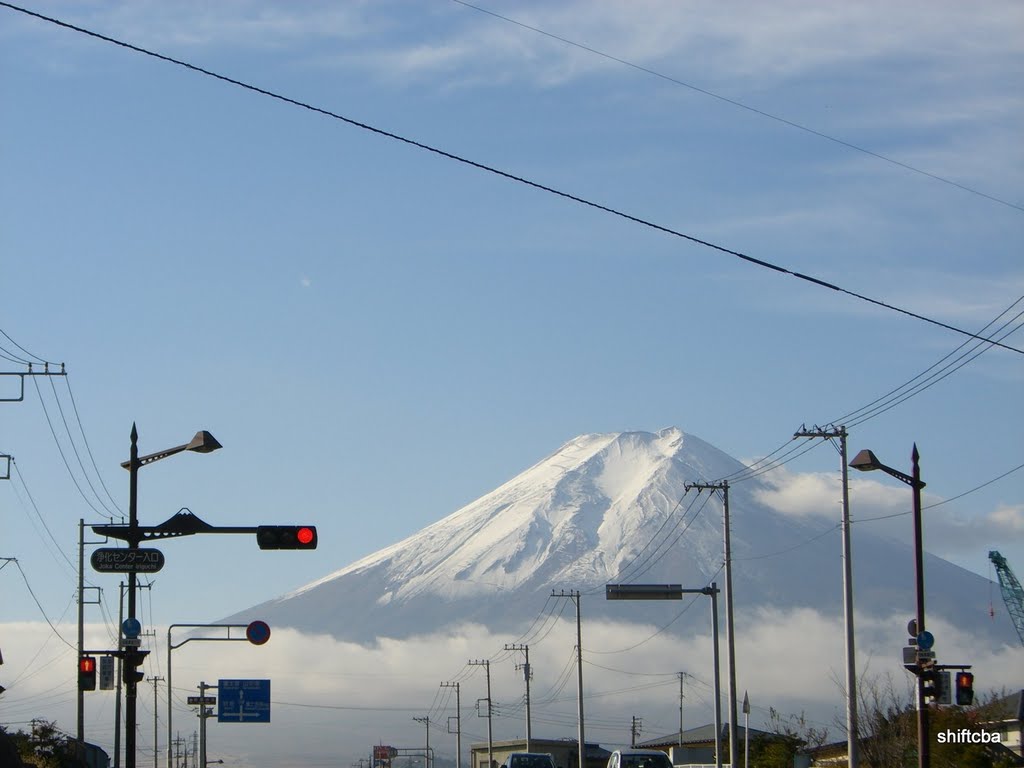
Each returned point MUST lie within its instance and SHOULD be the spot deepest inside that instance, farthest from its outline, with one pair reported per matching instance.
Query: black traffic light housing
(133, 659)
(286, 536)
(87, 673)
(964, 688)
(929, 687)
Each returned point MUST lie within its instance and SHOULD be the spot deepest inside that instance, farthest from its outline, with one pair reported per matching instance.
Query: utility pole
(729, 627)
(634, 730)
(426, 753)
(852, 727)
(681, 676)
(82, 602)
(203, 714)
(156, 751)
(486, 664)
(527, 673)
(458, 723)
(574, 595)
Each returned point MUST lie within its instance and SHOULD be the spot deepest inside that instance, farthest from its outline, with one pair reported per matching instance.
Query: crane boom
(1013, 594)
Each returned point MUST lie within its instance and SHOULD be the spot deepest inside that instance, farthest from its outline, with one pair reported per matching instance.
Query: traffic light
(964, 688)
(131, 660)
(87, 673)
(929, 687)
(286, 536)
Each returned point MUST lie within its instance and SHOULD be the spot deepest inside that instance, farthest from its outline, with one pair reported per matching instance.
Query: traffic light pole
(130, 681)
(923, 745)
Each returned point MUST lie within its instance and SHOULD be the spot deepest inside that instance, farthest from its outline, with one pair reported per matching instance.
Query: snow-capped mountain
(613, 508)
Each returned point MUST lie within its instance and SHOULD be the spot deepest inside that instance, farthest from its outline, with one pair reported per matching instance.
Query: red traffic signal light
(964, 688)
(286, 536)
(87, 673)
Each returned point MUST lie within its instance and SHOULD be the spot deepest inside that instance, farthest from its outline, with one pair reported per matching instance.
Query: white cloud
(334, 699)
(809, 494)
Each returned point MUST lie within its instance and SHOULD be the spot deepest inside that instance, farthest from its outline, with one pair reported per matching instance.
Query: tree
(888, 730)
(790, 734)
(46, 747)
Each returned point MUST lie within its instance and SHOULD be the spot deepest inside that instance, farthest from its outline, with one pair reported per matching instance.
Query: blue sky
(379, 335)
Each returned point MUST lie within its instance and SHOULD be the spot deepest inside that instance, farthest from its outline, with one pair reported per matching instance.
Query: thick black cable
(507, 175)
(741, 105)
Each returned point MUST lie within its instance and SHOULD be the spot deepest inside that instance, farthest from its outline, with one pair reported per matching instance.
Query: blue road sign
(243, 701)
(925, 640)
(131, 627)
(258, 632)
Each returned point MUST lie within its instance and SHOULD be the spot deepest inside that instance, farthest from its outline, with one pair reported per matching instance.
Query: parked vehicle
(529, 760)
(639, 758)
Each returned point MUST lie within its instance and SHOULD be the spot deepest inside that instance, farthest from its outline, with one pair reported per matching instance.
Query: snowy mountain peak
(577, 514)
(609, 508)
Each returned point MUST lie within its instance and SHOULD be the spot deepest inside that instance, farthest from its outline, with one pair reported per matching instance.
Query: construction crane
(1013, 594)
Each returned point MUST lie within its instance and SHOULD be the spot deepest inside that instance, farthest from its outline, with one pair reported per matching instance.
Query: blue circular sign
(131, 628)
(258, 632)
(925, 640)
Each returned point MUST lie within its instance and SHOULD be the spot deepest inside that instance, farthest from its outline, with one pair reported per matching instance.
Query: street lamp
(866, 461)
(203, 442)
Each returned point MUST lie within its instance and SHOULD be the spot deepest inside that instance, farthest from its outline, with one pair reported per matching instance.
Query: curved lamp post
(866, 461)
(203, 442)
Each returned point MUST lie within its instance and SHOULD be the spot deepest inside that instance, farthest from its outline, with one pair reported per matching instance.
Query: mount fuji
(614, 508)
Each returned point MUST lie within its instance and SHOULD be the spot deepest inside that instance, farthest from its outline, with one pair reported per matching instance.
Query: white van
(529, 760)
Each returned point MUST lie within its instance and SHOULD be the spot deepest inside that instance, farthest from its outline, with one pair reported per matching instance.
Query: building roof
(594, 751)
(704, 734)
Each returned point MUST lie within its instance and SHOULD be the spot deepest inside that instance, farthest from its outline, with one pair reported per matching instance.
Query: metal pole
(458, 725)
(156, 735)
(490, 734)
(729, 629)
(120, 676)
(923, 746)
(718, 681)
(81, 631)
(486, 664)
(579, 680)
(527, 673)
(426, 754)
(746, 731)
(169, 703)
(202, 724)
(852, 728)
(681, 674)
(131, 687)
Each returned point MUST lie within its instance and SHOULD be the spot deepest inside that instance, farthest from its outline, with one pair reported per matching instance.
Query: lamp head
(203, 442)
(866, 461)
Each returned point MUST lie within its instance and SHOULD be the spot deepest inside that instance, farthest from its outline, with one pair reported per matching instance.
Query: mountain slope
(613, 508)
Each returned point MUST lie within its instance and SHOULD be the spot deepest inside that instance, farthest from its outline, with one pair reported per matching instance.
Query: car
(639, 758)
(529, 760)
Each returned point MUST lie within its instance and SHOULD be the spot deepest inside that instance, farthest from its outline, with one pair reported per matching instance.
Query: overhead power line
(747, 107)
(510, 176)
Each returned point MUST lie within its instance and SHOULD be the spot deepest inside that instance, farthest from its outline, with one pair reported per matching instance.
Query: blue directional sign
(925, 641)
(131, 628)
(243, 701)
